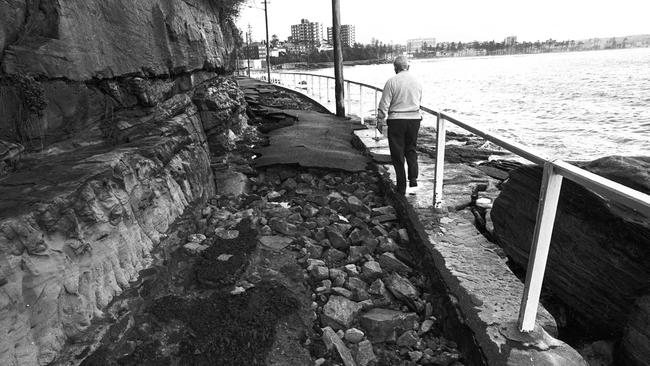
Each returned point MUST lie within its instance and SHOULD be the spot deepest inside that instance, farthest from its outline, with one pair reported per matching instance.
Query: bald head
(401, 63)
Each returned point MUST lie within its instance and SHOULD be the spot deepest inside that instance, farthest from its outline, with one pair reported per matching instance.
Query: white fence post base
(549, 196)
(440, 162)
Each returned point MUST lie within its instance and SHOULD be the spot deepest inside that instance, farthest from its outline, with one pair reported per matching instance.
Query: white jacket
(401, 98)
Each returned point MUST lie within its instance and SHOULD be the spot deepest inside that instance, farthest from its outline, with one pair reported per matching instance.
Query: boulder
(599, 253)
(340, 312)
(381, 325)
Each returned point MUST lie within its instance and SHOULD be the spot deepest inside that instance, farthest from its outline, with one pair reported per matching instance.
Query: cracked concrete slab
(316, 140)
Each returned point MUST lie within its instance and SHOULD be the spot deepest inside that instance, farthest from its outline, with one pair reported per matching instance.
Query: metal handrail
(554, 172)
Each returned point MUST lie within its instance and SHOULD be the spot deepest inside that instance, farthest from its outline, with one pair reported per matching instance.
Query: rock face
(91, 59)
(81, 40)
(70, 243)
(599, 255)
(115, 150)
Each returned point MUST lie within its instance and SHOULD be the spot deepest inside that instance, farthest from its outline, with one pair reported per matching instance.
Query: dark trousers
(402, 140)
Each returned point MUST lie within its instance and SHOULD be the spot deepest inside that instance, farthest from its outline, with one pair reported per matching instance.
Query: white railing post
(349, 97)
(361, 103)
(376, 105)
(320, 93)
(440, 162)
(328, 89)
(549, 196)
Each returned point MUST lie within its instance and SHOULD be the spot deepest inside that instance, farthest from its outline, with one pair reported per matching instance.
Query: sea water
(574, 106)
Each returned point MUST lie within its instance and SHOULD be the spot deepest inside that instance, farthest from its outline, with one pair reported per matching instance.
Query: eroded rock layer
(71, 242)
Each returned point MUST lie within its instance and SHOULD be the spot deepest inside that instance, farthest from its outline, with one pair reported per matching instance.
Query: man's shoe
(413, 183)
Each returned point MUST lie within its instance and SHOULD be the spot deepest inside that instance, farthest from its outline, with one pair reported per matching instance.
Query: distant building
(307, 32)
(297, 47)
(348, 35)
(252, 51)
(420, 45)
(510, 41)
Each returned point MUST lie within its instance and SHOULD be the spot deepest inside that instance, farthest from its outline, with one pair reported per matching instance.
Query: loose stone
(385, 210)
(282, 226)
(381, 325)
(333, 341)
(387, 244)
(391, 264)
(319, 273)
(408, 339)
(377, 288)
(354, 335)
(275, 242)
(342, 291)
(365, 355)
(371, 270)
(403, 290)
(338, 277)
(403, 236)
(426, 326)
(337, 240)
(196, 238)
(415, 356)
(351, 270)
(339, 312)
(194, 248)
(334, 257)
(356, 253)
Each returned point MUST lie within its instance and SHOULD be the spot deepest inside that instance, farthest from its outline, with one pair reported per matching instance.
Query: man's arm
(384, 104)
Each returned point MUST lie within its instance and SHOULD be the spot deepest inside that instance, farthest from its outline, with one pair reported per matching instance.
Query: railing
(554, 172)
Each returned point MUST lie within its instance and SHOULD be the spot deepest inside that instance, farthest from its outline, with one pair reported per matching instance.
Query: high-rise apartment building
(420, 45)
(307, 32)
(510, 41)
(347, 35)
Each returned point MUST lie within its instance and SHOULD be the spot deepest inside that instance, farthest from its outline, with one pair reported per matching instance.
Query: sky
(456, 20)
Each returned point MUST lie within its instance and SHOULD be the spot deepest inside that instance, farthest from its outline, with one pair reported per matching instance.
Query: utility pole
(248, 49)
(338, 58)
(268, 53)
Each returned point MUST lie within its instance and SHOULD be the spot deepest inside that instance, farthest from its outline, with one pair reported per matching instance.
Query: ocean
(573, 106)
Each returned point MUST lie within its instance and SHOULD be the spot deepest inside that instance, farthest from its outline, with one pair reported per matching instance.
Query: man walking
(400, 108)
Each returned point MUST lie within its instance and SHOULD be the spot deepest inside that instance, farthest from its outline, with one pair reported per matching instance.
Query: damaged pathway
(315, 140)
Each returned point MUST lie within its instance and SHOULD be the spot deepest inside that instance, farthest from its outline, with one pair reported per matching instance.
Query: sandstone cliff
(599, 254)
(93, 57)
(101, 94)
